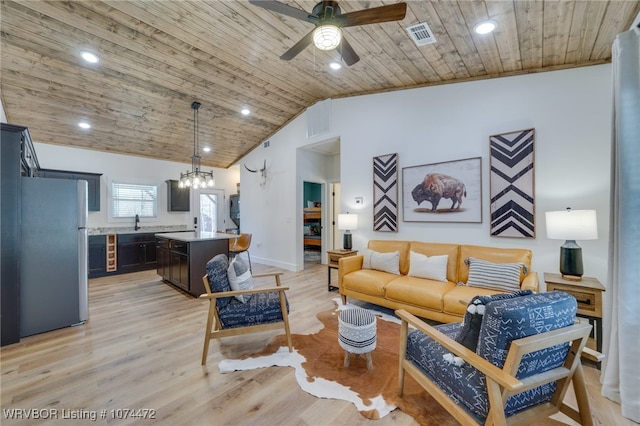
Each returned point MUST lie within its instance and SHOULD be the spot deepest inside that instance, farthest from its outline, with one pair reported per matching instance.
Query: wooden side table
(334, 257)
(588, 294)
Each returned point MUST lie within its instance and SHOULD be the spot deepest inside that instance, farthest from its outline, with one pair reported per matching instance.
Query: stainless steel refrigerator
(53, 254)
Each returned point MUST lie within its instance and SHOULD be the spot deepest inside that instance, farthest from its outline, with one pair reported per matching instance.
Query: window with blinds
(132, 199)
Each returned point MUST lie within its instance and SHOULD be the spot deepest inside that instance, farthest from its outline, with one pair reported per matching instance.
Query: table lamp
(571, 225)
(347, 222)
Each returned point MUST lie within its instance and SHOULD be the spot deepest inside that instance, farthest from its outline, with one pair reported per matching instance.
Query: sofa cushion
(386, 262)
(430, 267)
(470, 330)
(495, 276)
(418, 292)
(368, 281)
(386, 246)
(260, 309)
(491, 254)
(436, 249)
(456, 300)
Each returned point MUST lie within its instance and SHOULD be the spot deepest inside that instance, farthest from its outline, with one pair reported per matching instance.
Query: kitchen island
(182, 257)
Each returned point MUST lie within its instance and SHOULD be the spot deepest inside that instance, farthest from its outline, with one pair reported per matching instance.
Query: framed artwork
(511, 182)
(443, 192)
(385, 193)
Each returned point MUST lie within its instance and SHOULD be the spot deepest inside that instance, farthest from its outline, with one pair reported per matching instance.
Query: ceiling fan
(329, 22)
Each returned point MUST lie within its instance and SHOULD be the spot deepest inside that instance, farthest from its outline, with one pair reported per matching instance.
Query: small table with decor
(588, 294)
(334, 257)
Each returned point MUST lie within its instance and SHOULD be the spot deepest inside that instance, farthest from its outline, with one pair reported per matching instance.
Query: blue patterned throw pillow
(470, 329)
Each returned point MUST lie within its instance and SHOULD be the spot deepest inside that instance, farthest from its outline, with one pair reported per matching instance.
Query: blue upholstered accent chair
(267, 308)
(528, 352)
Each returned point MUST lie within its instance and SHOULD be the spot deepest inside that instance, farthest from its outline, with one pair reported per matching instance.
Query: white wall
(570, 110)
(124, 168)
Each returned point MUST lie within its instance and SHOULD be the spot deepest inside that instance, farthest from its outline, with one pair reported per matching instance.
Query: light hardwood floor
(141, 350)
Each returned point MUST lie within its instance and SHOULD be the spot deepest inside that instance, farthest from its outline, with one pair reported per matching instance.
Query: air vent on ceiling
(266, 144)
(421, 34)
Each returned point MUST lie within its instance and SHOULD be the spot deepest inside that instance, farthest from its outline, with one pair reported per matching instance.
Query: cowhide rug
(318, 363)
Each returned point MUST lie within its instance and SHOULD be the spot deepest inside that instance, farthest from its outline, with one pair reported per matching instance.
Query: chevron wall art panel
(385, 193)
(512, 184)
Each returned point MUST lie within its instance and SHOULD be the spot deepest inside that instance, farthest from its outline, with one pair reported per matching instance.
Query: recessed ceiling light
(206, 149)
(245, 111)
(90, 57)
(84, 125)
(485, 27)
(335, 65)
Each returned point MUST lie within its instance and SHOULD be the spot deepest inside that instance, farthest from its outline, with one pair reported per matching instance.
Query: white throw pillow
(430, 267)
(240, 277)
(366, 261)
(386, 262)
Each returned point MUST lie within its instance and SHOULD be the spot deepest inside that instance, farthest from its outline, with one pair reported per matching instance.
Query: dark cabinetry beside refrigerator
(97, 255)
(93, 184)
(136, 252)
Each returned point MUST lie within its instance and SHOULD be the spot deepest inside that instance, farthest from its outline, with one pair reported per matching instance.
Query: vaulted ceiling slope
(157, 57)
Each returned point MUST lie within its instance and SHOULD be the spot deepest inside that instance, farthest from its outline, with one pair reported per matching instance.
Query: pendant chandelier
(196, 178)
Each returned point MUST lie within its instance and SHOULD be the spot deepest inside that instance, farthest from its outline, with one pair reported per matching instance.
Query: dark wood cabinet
(136, 252)
(163, 257)
(177, 198)
(183, 263)
(97, 255)
(93, 183)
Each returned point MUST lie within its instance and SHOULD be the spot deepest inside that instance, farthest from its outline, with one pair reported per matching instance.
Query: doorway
(313, 232)
(208, 210)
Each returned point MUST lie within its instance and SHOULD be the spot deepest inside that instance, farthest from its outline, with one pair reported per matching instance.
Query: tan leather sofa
(436, 300)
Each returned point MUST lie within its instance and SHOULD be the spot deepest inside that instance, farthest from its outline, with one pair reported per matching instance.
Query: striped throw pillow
(494, 276)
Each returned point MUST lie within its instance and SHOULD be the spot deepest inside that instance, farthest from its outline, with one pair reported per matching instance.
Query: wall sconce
(347, 222)
(571, 225)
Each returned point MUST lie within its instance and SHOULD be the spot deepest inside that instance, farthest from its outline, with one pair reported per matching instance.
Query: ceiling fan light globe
(327, 37)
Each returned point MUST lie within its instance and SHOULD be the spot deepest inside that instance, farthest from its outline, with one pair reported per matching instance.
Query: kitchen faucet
(135, 228)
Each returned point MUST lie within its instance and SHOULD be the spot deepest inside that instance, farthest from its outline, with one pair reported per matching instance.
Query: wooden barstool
(239, 245)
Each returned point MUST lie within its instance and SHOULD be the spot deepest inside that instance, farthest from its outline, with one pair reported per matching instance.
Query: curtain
(621, 367)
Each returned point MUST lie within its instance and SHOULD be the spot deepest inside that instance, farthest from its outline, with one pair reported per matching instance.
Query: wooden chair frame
(502, 383)
(213, 318)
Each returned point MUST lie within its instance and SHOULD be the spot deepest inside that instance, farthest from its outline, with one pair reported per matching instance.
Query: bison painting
(437, 186)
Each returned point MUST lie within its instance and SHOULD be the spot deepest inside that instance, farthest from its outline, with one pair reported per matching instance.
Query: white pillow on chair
(240, 277)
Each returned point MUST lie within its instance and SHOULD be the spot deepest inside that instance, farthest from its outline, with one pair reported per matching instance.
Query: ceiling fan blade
(392, 12)
(349, 55)
(298, 47)
(284, 9)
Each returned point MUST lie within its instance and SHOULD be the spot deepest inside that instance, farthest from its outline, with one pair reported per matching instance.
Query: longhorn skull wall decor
(262, 171)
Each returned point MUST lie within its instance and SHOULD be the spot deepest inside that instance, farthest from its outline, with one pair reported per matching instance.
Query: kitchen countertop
(195, 236)
(141, 230)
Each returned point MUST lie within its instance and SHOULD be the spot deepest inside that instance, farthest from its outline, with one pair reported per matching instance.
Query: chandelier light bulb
(327, 37)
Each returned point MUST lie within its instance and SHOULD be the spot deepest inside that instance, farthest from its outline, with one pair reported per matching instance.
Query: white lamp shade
(572, 225)
(347, 222)
(327, 37)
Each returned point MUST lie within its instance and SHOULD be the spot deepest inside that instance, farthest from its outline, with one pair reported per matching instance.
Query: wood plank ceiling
(157, 57)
